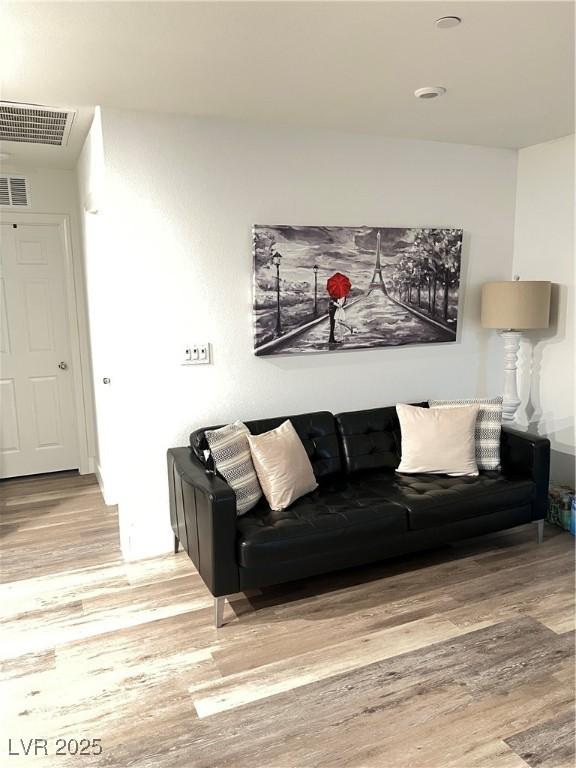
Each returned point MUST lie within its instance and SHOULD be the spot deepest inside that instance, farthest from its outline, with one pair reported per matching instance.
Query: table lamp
(513, 307)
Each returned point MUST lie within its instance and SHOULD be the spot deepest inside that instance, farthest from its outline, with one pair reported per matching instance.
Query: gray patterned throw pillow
(488, 427)
(233, 460)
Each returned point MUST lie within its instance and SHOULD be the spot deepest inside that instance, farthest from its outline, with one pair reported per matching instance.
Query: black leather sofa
(362, 510)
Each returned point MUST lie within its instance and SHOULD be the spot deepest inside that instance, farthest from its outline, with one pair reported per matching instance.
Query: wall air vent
(14, 191)
(35, 124)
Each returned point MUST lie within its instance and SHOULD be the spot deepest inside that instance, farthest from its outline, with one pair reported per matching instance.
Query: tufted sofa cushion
(371, 438)
(434, 500)
(345, 514)
(316, 430)
(338, 517)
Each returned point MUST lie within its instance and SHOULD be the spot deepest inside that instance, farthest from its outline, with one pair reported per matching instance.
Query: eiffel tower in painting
(377, 279)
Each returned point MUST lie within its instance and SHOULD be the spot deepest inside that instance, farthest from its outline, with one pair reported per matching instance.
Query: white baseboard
(89, 468)
(109, 497)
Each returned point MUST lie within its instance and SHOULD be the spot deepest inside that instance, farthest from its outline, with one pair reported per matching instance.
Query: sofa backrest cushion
(370, 439)
(317, 431)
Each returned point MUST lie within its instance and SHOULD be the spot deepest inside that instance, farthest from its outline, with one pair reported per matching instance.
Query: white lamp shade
(516, 305)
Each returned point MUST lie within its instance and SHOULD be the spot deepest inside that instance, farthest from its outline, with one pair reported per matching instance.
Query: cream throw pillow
(488, 428)
(282, 465)
(438, 441)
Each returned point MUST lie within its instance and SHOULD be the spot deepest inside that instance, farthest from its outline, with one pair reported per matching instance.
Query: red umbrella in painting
(338, 286)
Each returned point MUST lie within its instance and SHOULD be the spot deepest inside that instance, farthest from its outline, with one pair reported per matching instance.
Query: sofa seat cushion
(433, 500)
(336, 517)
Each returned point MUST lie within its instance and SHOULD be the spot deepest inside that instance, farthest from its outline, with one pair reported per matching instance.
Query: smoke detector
(447, 22)
(430, 92)
(35, 124)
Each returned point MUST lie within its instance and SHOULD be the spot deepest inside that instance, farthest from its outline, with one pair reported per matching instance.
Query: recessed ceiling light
(446, 22)
(430, 92)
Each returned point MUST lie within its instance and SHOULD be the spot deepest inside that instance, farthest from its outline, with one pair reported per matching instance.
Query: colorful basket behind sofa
(562, 507)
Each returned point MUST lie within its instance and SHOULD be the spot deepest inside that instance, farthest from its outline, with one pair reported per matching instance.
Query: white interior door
(37, 411)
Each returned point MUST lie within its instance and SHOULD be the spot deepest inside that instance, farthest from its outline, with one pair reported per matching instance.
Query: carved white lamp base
(511, 400)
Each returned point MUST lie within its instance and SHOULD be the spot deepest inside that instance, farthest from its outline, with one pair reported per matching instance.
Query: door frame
(75, 306)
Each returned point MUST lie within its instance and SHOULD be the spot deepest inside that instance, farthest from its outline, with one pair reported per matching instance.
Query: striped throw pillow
(488, 427)
(233, 460)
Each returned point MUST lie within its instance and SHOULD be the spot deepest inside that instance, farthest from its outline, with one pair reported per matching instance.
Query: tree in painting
(432, 265)
(331, 288)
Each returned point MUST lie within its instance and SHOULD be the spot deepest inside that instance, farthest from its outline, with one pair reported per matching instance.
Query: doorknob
(62, 365)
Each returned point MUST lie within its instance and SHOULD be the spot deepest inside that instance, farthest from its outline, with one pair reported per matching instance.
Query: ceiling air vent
(14, 191)
(35, 124)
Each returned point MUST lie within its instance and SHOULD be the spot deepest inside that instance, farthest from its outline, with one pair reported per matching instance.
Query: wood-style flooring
(462, 657)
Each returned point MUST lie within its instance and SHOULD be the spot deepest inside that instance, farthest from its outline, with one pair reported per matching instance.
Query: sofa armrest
(528, 456)
(203, 517)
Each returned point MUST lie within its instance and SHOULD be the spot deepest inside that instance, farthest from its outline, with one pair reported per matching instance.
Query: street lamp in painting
(276, 258)
(315, 268)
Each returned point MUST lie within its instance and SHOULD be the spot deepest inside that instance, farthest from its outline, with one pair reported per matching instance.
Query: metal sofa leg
(219, 611)
(540, 530)
(176, 544)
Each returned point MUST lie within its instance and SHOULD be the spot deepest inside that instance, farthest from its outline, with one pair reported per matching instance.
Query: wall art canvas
(335, 288)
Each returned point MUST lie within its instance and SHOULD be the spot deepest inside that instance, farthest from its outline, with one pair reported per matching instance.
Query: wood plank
(549, 744)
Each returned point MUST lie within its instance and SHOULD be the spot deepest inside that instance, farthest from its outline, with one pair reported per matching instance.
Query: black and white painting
(333, 288)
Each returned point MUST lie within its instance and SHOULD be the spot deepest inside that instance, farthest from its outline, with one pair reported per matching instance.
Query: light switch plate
(198, 354)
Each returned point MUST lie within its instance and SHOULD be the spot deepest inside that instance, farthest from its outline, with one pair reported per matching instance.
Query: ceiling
(351, 66)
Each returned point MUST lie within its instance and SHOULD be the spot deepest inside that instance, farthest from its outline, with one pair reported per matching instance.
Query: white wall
(98, 266)
(181, 197)
(544, 250)
(53, 191)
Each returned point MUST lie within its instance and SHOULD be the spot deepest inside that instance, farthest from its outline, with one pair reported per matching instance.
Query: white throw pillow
(233, 460)
(439, 441)
(282, 465)
(488, 428)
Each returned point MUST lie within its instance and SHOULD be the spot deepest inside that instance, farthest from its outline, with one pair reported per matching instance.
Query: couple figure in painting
(338, 286)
